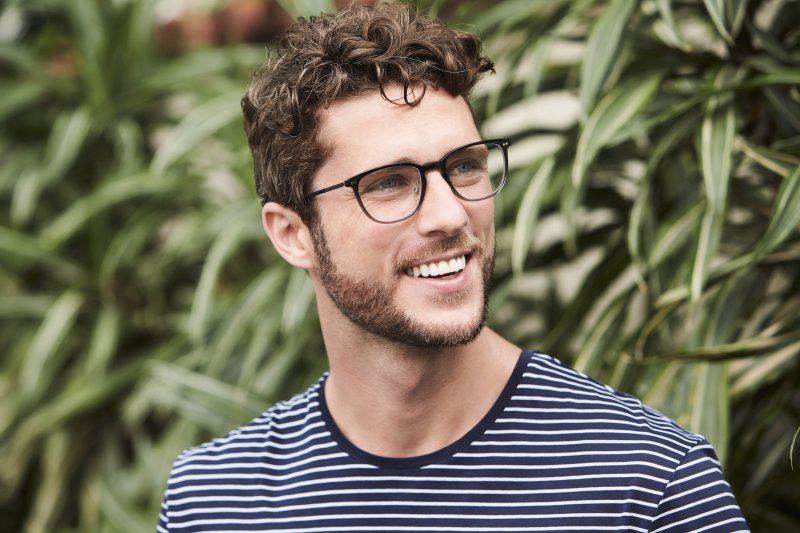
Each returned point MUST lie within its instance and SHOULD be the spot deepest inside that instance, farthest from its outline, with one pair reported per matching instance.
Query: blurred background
(648, 234)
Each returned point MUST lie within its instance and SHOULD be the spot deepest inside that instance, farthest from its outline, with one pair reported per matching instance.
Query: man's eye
(393, 183)
(388, 183)
(463, 167)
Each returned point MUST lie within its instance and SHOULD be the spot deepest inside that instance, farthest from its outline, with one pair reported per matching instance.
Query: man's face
(368, 269)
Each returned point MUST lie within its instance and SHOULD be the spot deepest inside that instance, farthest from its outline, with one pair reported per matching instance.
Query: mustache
(462, 241)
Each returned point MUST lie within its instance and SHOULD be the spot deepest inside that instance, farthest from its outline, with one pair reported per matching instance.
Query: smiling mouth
(438, 268)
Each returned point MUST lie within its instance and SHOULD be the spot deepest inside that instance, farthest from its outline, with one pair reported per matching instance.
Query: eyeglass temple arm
(326, 189)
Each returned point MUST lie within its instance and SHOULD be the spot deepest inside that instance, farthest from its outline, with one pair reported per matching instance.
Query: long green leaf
(93, 33)
(764, 370)
(775, 161)
(251, 311)
(103, 198)
(775, 76)
(22, 306)
(717, 12)
(199, 395)
(673, 234)
(54, 488)
(18, 96)
(118, 511)
(66, 139)
(528, 213)
(299, 297)
(613, 113)
(663, 385)
(716, 153)
(605, 334)
(668, 142)
(83, 397)
(785, 106)
(785, 217)
(104, 342)
(39, 368)
(757, 346)
(716, 149)
(602, 49)
(707, 246)
(221, 250)
(710, 410)
(27, 249)
(735, 11)
(17, 57)
(199, 124)
(769, 42)
(665, 10)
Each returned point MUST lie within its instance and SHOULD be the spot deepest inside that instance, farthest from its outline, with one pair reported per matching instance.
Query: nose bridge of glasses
(442, 209)
(435, 187)
(438, 166)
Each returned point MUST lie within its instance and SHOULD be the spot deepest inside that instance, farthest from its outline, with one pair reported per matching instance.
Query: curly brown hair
(337, 56)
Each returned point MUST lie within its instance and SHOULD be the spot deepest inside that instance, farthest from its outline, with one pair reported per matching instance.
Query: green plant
(650, 232)
(648, 235)
(133, 266)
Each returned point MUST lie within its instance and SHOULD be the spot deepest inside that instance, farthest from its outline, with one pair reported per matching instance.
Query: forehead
(366, 131)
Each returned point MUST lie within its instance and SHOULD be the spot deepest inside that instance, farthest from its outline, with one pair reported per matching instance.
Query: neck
(398, 401)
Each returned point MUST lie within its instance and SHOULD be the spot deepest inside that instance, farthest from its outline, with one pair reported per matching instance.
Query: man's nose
(441, 210)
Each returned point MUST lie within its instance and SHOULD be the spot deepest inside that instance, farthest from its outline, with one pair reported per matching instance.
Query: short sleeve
(163, 521)
(698, 498)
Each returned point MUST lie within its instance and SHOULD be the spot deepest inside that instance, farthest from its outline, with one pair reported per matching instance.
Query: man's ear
(289, 235)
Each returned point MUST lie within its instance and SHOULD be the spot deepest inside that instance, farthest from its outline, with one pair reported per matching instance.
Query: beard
(370, 304)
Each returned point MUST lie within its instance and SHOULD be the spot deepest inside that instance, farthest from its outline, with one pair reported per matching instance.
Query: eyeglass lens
(393, 193)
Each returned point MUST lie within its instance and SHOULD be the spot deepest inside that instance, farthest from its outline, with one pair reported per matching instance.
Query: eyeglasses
(392, 193)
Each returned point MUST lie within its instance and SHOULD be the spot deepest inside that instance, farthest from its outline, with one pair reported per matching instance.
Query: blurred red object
(62, 64)
(249, 21)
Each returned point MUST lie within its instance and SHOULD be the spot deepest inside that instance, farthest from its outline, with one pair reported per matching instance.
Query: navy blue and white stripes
(557, 452)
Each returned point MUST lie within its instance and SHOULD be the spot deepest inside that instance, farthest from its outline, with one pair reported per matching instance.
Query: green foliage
(652, 219)
(648, 235)
(141, 305)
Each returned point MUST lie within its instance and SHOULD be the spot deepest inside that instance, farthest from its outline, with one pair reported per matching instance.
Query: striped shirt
(557, 452)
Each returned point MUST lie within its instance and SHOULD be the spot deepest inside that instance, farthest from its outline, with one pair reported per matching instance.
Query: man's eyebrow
(398, 161)
(407, 160)
(403, 160)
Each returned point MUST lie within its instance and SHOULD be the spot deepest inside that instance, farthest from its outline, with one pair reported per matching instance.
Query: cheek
(342, 224)
(360, 245)
(482, 217)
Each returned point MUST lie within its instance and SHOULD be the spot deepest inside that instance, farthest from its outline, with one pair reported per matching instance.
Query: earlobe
(289, 234)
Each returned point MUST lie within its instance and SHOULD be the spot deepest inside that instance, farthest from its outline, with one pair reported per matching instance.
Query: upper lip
(444, 257)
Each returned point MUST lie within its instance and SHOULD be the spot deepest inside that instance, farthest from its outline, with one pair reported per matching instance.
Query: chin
(434, 332)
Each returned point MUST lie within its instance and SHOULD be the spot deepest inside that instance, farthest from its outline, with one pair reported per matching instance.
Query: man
(375, 180)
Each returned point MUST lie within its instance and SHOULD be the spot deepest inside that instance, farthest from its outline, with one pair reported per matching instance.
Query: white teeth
(441, 268)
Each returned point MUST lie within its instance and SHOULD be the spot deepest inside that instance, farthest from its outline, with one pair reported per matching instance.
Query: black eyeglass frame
(422, 169)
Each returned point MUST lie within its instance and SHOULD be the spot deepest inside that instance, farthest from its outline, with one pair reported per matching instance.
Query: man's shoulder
(579, 398)
(278, 426)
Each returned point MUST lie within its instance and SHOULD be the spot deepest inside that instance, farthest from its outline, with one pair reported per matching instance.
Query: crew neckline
(437, 457)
